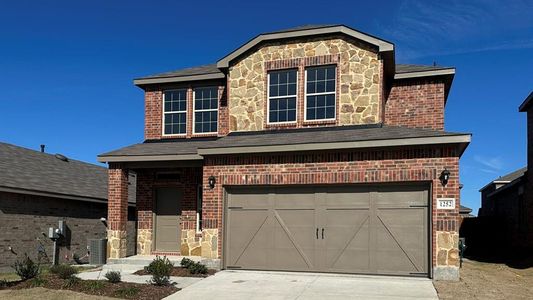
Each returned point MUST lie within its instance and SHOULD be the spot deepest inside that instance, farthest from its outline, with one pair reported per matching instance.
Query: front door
(167, 219)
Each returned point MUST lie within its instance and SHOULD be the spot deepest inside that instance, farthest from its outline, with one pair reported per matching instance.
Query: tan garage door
(348, 229)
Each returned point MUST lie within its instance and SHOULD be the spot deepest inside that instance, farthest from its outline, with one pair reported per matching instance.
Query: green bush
(128, 292)
(186, 262)
(113, 276)
(94, 285)
(71, 281)
(4, 283)
(160, 269)
(193, 267)
(197, 268)
(63, 271)
(26, 268)
(37, 281)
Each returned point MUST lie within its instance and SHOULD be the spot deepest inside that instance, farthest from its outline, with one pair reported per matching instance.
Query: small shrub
(37, 281)
(63, 271)
(197, 268)
(26, 268)
(128, 292)
(186, 262)
(160, 269)
(113, 276)
(93, 285)
(4, 283)
(71, 281)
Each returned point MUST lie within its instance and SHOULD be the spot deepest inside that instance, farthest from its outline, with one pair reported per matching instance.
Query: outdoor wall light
(211, 181)
(444, 177)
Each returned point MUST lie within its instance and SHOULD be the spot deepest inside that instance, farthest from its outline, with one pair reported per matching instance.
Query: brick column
(117, 211)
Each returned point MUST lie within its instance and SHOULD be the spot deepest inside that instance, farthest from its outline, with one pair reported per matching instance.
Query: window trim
(164, 112)
(204, 110)
(280, 97)
(318, 94)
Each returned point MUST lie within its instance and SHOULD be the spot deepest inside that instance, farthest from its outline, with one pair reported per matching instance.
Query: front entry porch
(168, 211)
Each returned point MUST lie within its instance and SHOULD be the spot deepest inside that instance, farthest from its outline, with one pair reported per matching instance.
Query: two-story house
(307, 149)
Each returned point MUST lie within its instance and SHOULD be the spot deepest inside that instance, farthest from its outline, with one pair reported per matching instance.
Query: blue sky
(66, 67)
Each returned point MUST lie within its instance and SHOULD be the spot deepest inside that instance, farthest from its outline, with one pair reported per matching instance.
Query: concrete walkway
(284, 285)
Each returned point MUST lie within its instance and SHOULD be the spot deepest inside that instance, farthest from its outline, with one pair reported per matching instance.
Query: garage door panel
(367, 229)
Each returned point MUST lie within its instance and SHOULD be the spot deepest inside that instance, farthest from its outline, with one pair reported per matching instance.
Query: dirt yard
(488, 281)
(47, 294)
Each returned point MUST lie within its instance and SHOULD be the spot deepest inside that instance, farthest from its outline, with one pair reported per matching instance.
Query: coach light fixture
(211, 181)
(444, 177)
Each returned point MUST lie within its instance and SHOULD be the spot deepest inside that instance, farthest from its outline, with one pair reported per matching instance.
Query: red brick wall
(153, 112)
(117, 213)
(146, 184)
(416, 103)
(370, 166)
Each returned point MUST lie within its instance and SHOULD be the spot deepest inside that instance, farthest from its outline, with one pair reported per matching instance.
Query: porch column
(117, 211)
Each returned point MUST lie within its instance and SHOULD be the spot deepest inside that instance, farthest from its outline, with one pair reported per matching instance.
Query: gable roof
(525, 105)
(303, 31)
(305, 139)
(27, 171)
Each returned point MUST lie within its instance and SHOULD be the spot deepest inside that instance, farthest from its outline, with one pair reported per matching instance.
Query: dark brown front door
(167, 220)
(348, 229)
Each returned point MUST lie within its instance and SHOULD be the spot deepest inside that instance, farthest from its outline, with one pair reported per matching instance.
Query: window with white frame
(320, 93)
(205, 109)
(175, 111)
(282, 88)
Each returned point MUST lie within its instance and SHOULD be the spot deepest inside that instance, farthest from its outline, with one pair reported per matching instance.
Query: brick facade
(377, 166)
(153, 111)
(416, 104)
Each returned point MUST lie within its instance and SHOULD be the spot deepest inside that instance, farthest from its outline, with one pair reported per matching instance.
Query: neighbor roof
(508, 178)
(464, 210)
(27, 171)
(525, 105)
(308, 139)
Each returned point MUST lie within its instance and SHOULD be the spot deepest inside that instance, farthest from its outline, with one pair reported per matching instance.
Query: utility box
(97, 251)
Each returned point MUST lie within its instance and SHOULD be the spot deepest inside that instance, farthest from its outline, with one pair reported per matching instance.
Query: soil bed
(488, 281)
(180, 272)
(124, 290)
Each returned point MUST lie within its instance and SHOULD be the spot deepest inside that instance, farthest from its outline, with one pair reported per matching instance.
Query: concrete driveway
(285, 285)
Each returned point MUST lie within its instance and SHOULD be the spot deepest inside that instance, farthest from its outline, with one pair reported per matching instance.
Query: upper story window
(205, 109)
(175, 112)
(320, 93)
(282, 96)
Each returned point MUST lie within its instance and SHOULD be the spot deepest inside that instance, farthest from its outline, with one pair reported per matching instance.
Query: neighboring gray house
(39, 189)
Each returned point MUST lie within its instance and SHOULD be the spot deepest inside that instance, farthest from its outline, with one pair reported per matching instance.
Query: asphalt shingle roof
(277, 137)
(408, 68)
(22, 168)
(192, 71)
(513, 175)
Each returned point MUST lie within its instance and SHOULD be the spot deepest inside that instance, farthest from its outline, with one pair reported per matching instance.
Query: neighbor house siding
(416, 103)
(344, 167)
(24, 219)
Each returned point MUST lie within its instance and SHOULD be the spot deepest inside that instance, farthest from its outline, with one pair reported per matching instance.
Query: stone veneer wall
(358, 81)
(357, 166)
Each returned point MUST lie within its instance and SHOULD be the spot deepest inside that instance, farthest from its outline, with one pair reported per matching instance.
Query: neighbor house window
(175, 111)
(320, 93)
(282, 96)
(205, 109)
